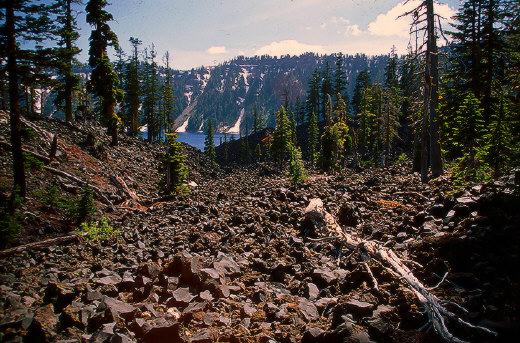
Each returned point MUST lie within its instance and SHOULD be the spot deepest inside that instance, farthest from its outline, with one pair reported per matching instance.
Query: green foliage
(297, 171)
(335, 141)
(98, 231)
(75, 210)
(256, 121)
(174, 166)
(209, 143)
(467, 169)
(313, 135)
(282, 137)
(10, 220)
(132, 88)
(79, 211)
(366, 118)
(32, 163)
(51, 197)
(27, 133)
(403, 158)
(104, 81)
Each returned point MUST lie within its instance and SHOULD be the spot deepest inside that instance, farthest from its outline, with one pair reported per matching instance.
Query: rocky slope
(235, 261)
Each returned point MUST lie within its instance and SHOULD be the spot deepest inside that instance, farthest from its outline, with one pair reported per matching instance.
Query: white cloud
(389, 24)
(353, 30)
(337, 20)
(289, 47)
(216, 50)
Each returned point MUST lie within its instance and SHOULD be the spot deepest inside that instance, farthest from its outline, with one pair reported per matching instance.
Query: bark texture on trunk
(14, 102)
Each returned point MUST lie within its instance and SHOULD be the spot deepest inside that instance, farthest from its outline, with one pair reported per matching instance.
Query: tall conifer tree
(104, 82)
(66, 56)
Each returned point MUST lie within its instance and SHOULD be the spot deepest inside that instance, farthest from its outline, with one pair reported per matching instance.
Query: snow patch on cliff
(236, 128)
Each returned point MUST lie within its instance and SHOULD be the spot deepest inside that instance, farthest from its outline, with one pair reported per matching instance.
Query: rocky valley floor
(237, 261)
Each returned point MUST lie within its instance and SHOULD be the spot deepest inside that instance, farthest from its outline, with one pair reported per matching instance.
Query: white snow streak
(182, 128)
(245, 74)
(236, 128)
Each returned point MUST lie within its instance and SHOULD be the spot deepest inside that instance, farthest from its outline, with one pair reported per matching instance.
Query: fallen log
(122, 186)
(38, 129)
(437, 313)
(42, 158)
(96, 190)
(41, 244)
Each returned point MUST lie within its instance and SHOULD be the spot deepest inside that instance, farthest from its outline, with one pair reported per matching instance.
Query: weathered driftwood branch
(96, 190)
(437, 313)
(40, 245)
(122, 186)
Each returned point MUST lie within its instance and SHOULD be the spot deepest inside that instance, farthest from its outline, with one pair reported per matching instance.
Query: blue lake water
(196, 139)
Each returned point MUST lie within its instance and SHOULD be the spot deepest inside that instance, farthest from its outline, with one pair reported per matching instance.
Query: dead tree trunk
(437, 313)
(432, 64)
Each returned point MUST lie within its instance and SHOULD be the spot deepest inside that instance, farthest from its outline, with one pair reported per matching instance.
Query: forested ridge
(360, 199)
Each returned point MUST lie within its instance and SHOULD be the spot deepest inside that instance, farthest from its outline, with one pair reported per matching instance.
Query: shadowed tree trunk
(14, 102)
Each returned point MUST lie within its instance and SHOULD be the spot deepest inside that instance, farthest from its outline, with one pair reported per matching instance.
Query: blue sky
(207, 32)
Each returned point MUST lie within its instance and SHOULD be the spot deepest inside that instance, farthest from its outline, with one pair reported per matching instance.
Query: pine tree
(499, 141)
(468, 134)
(209, 143)
(297, 171)
(335, 141)
(329, 121)
(68, 33)
(313, 135)
(365, 119)
(104, 82)
(175, 166)
(313, 95)
(363, 81)
(340, 78)
(392, 103)
(476, 51)
(341, 112)
(132, 89)
(256, 120)
(282, 137)
(390, 119)
(326, 86)
(151, 96)
(168, 98)
(30, 22)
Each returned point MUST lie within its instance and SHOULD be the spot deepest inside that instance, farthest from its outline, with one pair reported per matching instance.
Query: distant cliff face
(227, 94)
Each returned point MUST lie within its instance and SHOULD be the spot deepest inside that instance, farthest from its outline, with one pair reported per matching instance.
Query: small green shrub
(297, 171)
(32, 163)
(468, 169)
(75, 209)
(81, 210)
(93, 232)
(10, 220)
(403, 158)
(182, 189)
(27, 133)
(51, 197)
